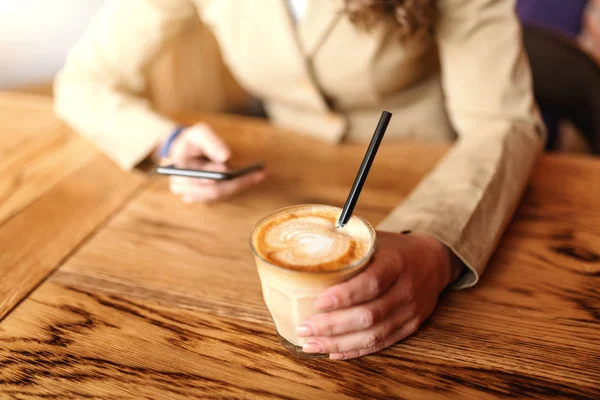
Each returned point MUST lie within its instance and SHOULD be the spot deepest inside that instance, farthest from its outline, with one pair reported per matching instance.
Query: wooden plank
(43, 203)
(60, 339)
(21, 117)
(30, 170)
(36, 150)
(164, 301)
(67, 341)
(37, 240)
(184, 252)
(45, 88)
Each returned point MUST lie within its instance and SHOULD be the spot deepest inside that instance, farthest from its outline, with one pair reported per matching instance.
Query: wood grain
(30, 170)
(55, 189)
(164, 300)
(38, 239)
(22, 116)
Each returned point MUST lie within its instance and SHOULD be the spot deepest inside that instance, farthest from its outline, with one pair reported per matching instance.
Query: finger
(201, 140)
(224, 189)
(227, 188)
(199, 195)
(367, 285)
(400, 334)
(374, 337)
(194, 194)
(356, 318)
(181, 186)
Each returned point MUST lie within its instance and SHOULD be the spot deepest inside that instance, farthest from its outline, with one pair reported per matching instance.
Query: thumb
(200, 140)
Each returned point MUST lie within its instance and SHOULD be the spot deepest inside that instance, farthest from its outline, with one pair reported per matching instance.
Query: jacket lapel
(321, 17)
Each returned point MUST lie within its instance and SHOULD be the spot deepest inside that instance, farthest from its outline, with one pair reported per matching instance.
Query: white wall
(35, 36)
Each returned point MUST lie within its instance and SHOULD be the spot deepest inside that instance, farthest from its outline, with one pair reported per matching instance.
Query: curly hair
(407, 18)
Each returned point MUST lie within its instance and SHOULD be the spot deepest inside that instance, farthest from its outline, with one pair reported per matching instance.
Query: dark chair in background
(566, 82)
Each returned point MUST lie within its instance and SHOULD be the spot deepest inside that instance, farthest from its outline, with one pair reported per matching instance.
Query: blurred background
(36, 35)
(33, 45)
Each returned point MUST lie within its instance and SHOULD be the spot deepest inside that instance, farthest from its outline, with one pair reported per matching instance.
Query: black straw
(363, 171)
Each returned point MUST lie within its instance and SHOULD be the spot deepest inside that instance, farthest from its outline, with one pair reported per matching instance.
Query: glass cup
(290, 295)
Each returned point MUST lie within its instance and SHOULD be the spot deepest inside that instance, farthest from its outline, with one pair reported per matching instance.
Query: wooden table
(110, 287)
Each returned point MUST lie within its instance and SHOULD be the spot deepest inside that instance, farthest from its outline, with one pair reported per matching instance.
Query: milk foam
(308, 237)
(306, 240)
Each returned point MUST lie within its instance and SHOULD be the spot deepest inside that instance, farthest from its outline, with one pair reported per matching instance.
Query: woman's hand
(189, 149)
(383, 304)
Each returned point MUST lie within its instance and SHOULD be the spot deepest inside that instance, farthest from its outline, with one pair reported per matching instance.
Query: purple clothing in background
(564, 15)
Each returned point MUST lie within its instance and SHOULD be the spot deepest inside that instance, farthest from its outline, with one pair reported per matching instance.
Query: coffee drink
(299, 253)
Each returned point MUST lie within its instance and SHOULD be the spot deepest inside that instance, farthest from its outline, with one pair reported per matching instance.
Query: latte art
(308, 239)
(308, 242)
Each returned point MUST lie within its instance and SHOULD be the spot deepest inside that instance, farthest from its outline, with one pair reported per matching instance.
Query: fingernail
(337, 356)
(304, 330)
(312, 347)
(325, 303)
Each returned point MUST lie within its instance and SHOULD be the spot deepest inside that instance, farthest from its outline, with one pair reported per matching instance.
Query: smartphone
(207, 174)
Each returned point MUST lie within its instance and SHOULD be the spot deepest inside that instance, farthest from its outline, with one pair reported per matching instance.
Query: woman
(445, 68)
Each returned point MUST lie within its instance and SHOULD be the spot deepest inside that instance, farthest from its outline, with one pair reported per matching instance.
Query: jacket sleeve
(99, 92)
(467, 201)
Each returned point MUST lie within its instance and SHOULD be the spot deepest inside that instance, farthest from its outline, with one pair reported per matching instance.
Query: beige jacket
(327, 79)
